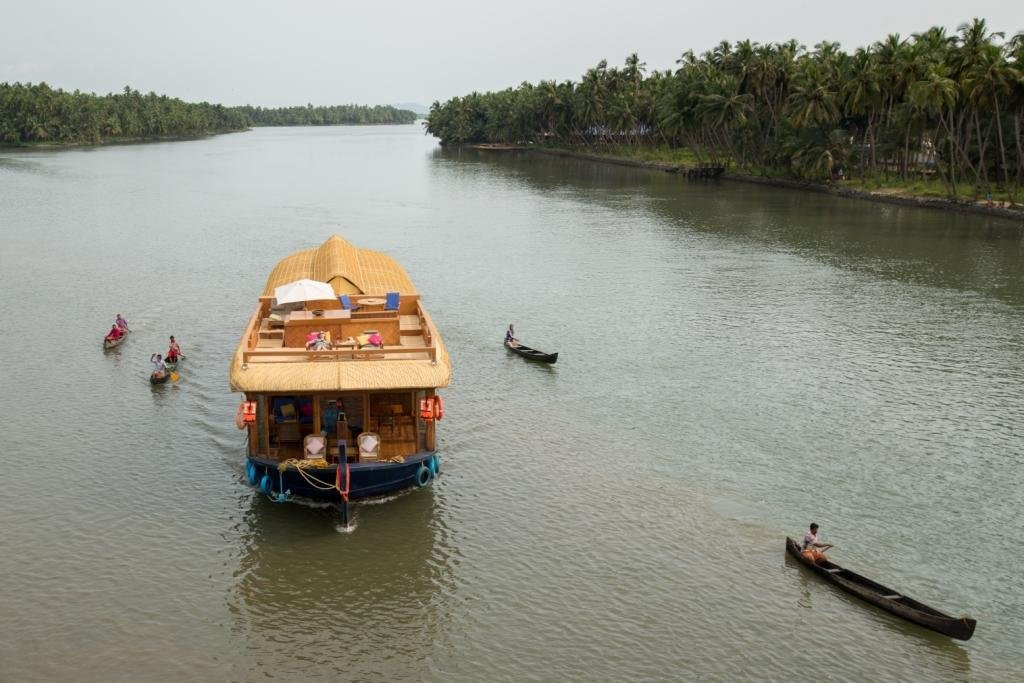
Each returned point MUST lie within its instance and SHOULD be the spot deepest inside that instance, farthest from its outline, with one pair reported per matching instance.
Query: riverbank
(886, 195)
(116, 141)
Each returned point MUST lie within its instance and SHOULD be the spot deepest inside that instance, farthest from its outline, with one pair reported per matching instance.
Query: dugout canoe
(532, 354)
(892, 601)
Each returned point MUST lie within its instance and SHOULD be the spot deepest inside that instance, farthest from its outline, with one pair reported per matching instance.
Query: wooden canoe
(111, 343)
(532, 354)
(961, 628)
(153, 379)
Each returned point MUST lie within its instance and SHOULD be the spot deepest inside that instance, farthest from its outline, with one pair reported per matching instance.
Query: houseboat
(340, 392)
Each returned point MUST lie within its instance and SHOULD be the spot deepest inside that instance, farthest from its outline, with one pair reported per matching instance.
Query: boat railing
(289, 355)
(252, 331)
(426, 325)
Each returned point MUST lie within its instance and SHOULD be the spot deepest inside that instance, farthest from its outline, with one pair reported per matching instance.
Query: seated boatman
(812, 548)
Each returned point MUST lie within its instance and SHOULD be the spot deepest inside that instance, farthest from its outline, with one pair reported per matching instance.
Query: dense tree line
(929, 106)
(38, 113)
(345, 114)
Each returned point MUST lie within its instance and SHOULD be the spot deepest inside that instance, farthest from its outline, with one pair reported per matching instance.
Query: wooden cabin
(340, 368)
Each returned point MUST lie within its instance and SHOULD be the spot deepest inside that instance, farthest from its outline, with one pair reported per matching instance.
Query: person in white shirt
(812, 548)
(159, 369)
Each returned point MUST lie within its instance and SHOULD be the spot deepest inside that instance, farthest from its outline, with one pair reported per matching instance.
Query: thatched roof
(348, 269)
(354, 271)
(353, 375)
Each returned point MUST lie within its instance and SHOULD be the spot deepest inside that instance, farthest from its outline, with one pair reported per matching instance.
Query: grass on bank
(935, 188)
(930, 188)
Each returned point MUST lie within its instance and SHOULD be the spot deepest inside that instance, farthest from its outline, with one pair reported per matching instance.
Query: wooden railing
(286, 355)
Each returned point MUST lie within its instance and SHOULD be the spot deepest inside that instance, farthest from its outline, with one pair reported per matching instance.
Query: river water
(736, 362)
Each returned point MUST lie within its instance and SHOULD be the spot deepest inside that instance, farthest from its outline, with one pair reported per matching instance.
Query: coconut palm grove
(937, 110)
(37, 113)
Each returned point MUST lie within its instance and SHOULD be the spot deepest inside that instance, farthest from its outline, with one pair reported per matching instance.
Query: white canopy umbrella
(304, 290)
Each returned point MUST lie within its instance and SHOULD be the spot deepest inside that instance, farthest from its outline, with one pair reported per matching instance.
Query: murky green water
(735, 362)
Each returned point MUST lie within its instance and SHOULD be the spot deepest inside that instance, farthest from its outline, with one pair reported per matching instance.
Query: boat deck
(281, 335)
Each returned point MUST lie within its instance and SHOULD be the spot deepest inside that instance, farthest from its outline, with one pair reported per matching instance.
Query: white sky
(371, 52)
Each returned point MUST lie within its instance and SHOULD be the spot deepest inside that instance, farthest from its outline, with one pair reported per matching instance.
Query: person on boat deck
(158, 365)
(812, 548)
(121, 322)
(510, 335)
(318, 343)
(173, 351)
(115, 333)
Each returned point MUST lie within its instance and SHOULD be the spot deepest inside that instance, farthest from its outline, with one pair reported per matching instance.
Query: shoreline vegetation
(932, 119)
(919, 198)
(40, 116)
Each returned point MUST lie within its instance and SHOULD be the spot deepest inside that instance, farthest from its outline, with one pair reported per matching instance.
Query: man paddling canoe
(812, 548)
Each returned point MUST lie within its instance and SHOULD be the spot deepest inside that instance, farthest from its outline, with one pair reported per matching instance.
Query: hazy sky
(370, 52)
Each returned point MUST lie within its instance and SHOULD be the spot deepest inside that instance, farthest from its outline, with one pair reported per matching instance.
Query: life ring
(423, 476)
(438, 408)
(250, 472)
(240, 416)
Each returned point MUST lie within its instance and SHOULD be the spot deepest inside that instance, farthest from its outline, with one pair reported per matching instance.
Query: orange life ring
(249, 412)
(438, 408)
(240, 416)
(427, 409)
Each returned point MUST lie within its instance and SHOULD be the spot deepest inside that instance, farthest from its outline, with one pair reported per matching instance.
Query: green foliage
(345, 114)
(946, 110)
(38, 113)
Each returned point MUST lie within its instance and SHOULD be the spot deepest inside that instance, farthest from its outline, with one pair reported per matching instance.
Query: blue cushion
(392, 301)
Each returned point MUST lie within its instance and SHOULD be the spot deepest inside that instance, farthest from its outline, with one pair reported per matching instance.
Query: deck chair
(346, 303)
(391, 301)
(314, 447)
(369, 447)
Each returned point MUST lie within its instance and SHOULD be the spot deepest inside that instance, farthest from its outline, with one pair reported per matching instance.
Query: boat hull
(114, 343)
(153, 379)
(368, 479)
(532, 354)
(961, 628)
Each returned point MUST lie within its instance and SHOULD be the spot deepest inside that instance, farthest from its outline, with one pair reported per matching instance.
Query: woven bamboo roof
(349, 269)
(353, 271)
(364, 375)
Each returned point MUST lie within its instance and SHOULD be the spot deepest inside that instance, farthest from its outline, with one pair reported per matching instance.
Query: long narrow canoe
(961, 628)
(532, 354)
